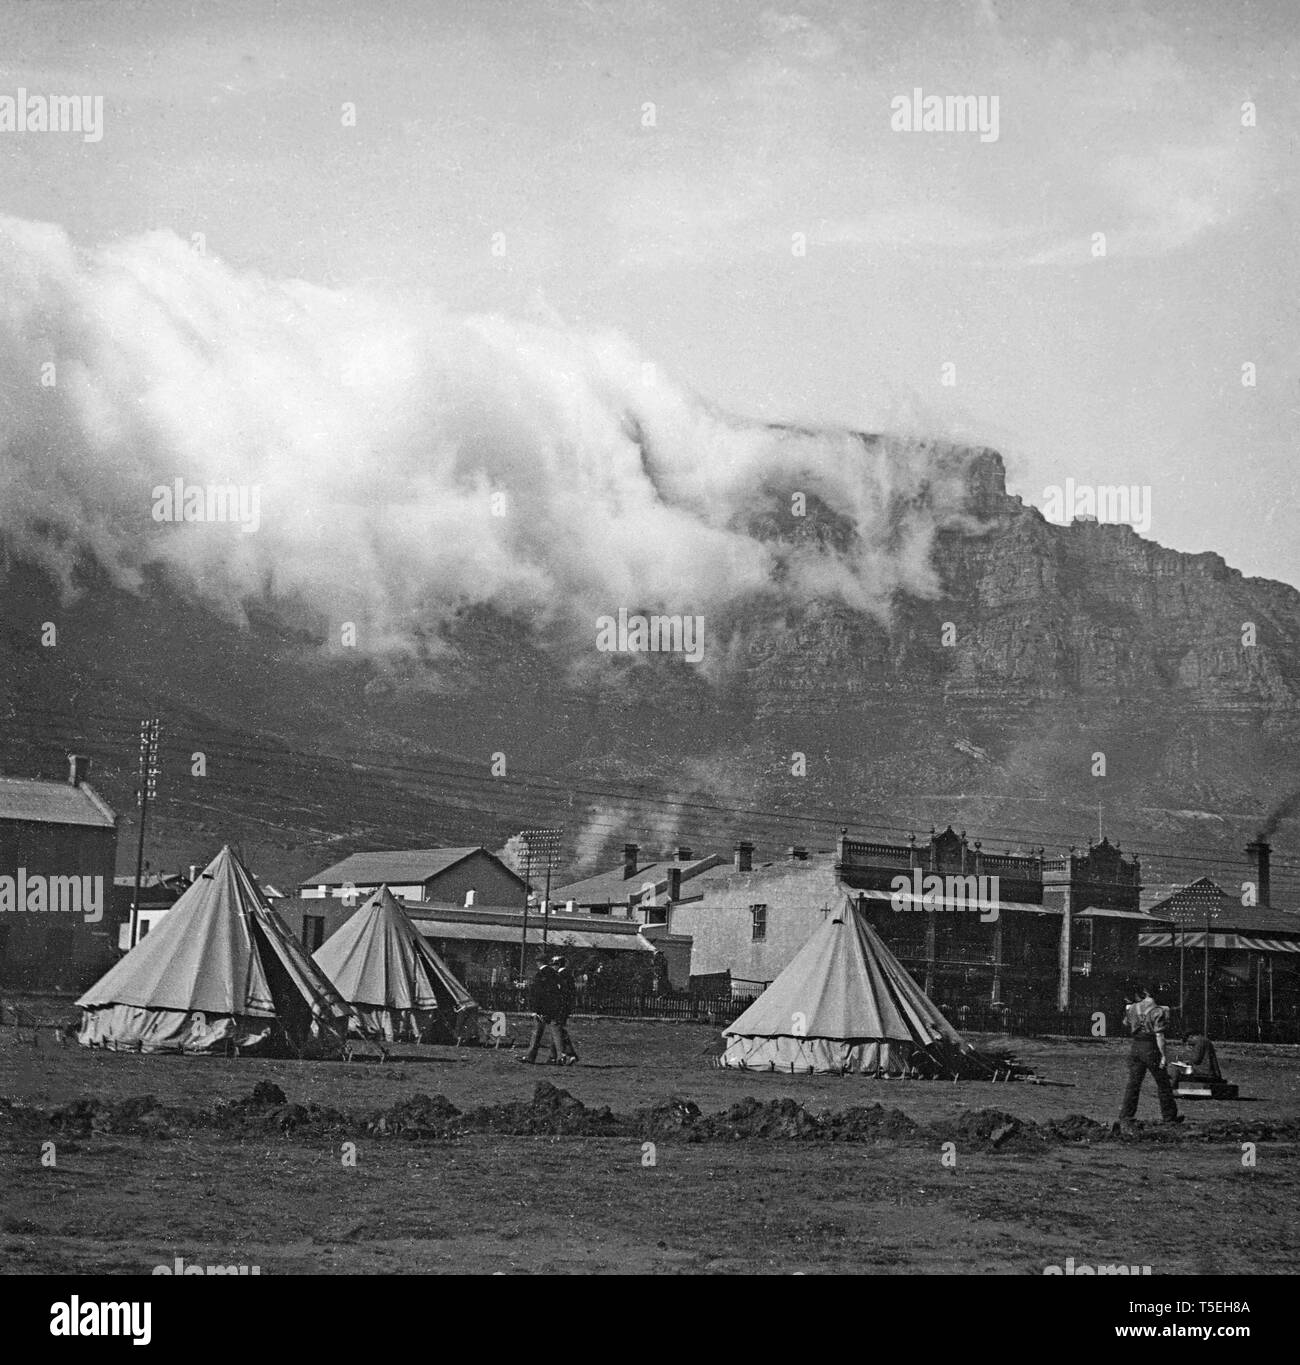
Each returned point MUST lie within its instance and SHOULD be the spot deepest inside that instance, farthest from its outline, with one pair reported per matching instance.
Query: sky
(720, 184)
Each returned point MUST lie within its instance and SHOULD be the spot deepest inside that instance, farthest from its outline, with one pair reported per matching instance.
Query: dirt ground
(486, 1202)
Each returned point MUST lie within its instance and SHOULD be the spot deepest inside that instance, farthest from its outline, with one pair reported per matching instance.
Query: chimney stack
(78, 768)
(744, 856)
(630, 852)
(469, 898)
(194, 873)
(684, 854)
(1260, 852)
(674, 883)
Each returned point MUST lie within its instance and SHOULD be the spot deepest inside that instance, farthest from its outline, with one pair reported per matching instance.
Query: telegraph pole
(528, 887)
(148, 788)
(544, 843)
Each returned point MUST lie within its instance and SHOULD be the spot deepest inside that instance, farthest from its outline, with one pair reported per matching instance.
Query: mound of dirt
(752, 1118)
(135, 1114)
(869, 1123)
(419, 1116)
(667, 1118)
(1077, 1128)
(550, 1111)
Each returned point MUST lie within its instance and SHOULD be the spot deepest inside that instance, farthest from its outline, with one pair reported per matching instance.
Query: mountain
(984, 705)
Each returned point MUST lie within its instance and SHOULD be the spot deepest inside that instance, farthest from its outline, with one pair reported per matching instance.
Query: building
(159, 891)
(450, 876)
(745, 922)
(58, 851)
(636, 890)
(481, 943)
(1047, 934)
(1253, 954)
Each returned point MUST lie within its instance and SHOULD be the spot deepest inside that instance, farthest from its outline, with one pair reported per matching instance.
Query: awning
(1099, 912)
(1228, 942)
(558, 936)
(943, 903)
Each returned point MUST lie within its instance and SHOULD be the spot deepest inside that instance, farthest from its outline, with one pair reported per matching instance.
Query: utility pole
(540, 844)
(528, 889)
(148, 789)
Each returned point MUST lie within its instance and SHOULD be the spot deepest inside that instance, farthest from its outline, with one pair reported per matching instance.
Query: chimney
(684, 854)
(568, 907)
(469, 898)
(744, 856)
(797, 854)
(629, 860)
(194, 873)
(78, 768)
(1260, 852)
(674, 883)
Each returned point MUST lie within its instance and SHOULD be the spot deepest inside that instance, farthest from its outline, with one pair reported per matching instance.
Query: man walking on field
(566, 993)
(544, 1001)
(1148, 1022)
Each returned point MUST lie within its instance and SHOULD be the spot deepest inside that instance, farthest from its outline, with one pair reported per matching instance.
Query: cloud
(412, 463)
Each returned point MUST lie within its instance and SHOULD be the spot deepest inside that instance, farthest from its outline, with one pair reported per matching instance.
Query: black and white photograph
(651, 638)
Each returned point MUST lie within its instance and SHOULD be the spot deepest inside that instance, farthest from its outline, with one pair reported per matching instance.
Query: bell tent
(220, 971)
(845, 1003)
(399, 988)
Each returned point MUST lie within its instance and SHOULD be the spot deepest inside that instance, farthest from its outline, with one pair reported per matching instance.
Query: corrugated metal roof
(397, 867)
(1100, 912)
(559, 936)
(612, 888)
(53, 803)
(1188, 904)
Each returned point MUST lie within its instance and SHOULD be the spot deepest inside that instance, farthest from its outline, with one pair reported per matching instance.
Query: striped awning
(1227, 942)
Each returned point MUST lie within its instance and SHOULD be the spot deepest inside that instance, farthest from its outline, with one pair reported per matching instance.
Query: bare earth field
(487, 1202)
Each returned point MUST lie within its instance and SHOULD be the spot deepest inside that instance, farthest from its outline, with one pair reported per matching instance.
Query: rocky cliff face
(985, 705)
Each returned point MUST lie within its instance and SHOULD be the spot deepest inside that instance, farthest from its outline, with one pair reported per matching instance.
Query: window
(313, 931)
(757, 923)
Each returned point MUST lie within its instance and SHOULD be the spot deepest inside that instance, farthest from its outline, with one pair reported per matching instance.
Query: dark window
(313, 931)
(144, 927)
(757, 922)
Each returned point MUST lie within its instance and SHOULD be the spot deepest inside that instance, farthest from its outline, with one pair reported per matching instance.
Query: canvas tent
(845, 1003)
(221, 970)
(398, 987)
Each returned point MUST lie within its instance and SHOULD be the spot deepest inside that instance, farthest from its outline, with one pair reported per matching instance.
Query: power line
(519, 787)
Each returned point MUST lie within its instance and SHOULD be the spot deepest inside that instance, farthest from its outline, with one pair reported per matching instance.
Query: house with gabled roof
(463, 876)
(58, 850)
(635, 889)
